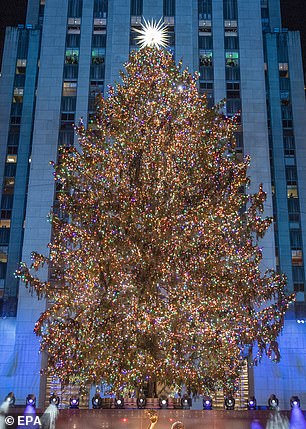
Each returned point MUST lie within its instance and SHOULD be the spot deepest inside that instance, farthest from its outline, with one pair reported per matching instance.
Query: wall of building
(286, 378)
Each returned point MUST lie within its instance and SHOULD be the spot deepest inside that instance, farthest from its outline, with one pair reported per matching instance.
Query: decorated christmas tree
(154, 261)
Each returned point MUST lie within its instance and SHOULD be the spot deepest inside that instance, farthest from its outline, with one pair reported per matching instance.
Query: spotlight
(54, 400)
(31, 400)
(229, 403)
(10, 399)
(163, 402)
(141, 401)
(295, 402)
(252, 403)
(273, 402)
(96, 401)
(119, 402)
(207, 403)
(186, 402)
(74, 403)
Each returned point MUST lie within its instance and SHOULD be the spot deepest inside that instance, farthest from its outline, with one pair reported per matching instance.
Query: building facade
(68, 52)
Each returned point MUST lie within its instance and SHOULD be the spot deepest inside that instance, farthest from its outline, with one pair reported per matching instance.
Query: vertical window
(205, 9)
(230, 10)
(69, 89)
(169, 7)
(21, 66)
(75, 8)
(136, 7)
(98, 56)
(18, 95)
(100, 8)
(232, 58)
(72, 56)
(74, 26)
(3, 253)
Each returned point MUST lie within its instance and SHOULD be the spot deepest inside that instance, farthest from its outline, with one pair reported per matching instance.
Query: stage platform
(208, 419)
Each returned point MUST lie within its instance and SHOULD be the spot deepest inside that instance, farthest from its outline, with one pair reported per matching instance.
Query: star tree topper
(152, 34)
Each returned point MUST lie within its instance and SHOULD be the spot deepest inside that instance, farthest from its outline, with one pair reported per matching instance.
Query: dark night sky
(12, 13)
(293, 11)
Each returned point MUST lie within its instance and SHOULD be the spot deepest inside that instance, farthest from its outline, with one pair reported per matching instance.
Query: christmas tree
(154, 262)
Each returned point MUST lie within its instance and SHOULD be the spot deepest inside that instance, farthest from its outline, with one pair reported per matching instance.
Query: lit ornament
(152, 34)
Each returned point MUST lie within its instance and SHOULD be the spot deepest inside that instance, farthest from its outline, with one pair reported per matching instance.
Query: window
(69, 89)
(99, 26)
(206, 58)
(21, 66)
(71, 72)
(12, 150)
(232, 59)
(6, 214)
(289, 146)
(72, 56)
(68, 104)
(239, 140)
(96, 88)
(2, 270)
(5, 223)
(233, 106)
(11, 159)
(291, 175)
(8, 187)
(297, 257)
(232, 73)
(100, 8)
(3, 253)
(169, 7)
(205, 66)
(233, 90)
(298, 274)
(299, 287)
(10, 169)
(283, 69)
(7, 202)
(284, 84)
(294, 209)
(94, 91)
(98, 56)
(230, 11)
(231, 42)
(66, 137)
(18, 95)
(205, 9)
(205, 41)
(136, 7)
(67, 119)
(97, 71)
(99, 41)
(292, 191)
(74, 26)
(72, 40)
(13, 137)
(296, 239)
(75, 8)
(286, 112)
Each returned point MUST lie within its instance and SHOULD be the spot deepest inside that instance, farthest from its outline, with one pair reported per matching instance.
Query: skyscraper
(69, 51)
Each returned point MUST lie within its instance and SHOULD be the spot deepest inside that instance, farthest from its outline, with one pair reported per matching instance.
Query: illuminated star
(153, 34)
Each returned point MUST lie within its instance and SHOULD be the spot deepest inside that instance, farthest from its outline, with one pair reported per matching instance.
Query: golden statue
(153, 416)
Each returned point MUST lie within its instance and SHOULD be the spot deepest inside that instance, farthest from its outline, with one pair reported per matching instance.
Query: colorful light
(155, 258)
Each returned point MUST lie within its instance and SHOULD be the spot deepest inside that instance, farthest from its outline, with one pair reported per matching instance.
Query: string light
(156, 278)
